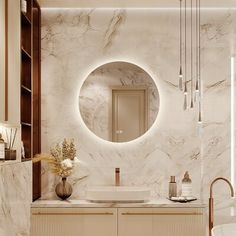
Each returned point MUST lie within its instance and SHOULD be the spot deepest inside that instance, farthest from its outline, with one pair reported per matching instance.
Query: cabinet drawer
(73, 221)
(161, 222)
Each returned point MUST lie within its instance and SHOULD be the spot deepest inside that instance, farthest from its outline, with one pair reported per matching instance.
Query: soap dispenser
(172, 187)
(186, 185)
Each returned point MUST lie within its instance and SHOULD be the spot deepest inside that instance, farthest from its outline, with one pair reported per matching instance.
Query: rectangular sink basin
(118, 194)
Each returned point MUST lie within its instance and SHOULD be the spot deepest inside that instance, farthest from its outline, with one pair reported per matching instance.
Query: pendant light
(185, 56)
(192, 64)
(199, 64)
(180, 48)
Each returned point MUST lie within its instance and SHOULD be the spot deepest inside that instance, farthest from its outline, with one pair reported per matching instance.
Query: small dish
(182, 199)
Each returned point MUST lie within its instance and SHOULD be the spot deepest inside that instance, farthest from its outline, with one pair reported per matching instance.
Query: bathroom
(52, 51)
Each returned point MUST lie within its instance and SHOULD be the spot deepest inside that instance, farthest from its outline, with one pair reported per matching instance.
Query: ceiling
(131, 3)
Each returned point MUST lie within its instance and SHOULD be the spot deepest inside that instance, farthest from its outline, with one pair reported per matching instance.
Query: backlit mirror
(119, 101)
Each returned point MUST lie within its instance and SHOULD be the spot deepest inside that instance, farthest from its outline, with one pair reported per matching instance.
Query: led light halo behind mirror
(119, 101)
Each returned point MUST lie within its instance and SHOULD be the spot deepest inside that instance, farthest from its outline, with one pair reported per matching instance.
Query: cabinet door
(13, 79)
(135, 222)
(73, 222)
(179, 222)
(161, 222)
(14, 61)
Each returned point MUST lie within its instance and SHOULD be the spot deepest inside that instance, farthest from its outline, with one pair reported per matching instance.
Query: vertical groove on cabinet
(162, 222)
(6, 60)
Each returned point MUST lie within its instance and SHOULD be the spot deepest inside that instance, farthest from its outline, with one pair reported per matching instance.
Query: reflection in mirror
(119, 101)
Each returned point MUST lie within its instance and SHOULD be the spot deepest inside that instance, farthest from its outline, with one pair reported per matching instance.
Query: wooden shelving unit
(30, 88)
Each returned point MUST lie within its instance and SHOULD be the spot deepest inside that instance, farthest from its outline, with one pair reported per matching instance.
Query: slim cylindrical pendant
(185, 102)
(185, 88)
(180, 79)
(191, 104)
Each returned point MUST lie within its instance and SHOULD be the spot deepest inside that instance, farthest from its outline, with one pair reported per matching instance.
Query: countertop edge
(160, 203)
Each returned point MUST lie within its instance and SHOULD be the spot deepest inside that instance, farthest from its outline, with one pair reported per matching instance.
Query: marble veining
(16, 198)
(150, 39)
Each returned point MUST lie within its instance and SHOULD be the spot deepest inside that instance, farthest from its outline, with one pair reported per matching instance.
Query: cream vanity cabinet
(73, 222)
(118, 222)
(161, 222)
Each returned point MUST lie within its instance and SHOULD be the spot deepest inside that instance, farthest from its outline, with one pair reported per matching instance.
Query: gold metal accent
(72, 213)
(211, 201)
(117, 176)
(163, 214)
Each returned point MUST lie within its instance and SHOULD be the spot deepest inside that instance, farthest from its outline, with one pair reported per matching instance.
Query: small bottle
(24, 6)
(2, 148)
(186, 185)
(172, 187)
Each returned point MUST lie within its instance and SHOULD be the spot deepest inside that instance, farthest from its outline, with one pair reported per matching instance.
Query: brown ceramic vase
(63, 189)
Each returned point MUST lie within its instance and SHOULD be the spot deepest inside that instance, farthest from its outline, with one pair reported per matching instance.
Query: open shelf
(31, 89)
(26, 124)
(25, 89)
(26, 159)
(26, 139)
(25, 54)
(25, 20)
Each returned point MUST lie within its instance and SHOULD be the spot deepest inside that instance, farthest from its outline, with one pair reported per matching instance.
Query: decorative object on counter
(10, 153)
(63, 189)
(172, 187)
(61, 159)
(117, 176)
(186, 185)
(182, 199)
(24, 6)
(2, 148)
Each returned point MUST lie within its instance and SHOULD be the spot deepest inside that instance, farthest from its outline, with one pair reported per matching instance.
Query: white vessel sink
(118, 194)
(224, 230)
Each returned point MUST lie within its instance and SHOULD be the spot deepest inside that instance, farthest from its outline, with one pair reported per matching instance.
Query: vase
(63, 189)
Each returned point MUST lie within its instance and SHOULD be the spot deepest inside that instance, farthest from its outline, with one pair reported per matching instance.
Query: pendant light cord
(191, 105)
(185, 39)
(180, 33)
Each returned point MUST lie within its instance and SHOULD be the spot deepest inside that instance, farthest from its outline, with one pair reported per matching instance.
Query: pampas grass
(58, 154)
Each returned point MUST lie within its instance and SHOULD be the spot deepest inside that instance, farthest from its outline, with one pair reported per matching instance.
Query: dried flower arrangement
(61, 158)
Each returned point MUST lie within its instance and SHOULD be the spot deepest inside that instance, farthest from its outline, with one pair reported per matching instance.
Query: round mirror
(119, 101)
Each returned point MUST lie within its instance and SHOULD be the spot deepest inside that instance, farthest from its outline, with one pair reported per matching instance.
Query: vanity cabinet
(118, 221)
(74, 222)
(161, 222)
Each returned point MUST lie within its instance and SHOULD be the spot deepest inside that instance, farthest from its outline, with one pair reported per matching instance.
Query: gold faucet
(211, 201)
(117, 175)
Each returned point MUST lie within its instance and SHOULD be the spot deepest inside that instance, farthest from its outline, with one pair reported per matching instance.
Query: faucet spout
(211, 201)
(117, 176)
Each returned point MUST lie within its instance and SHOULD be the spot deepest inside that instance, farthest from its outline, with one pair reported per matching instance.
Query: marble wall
(75, 42)
(15, 199)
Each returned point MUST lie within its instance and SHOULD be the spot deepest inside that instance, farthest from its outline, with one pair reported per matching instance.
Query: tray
(183, 200)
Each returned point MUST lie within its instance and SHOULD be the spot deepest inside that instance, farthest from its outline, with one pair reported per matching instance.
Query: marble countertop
(165, 203)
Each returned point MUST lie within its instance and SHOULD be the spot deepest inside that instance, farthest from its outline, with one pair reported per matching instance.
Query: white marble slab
(15, 199)
(150, 39)
(160, 203)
